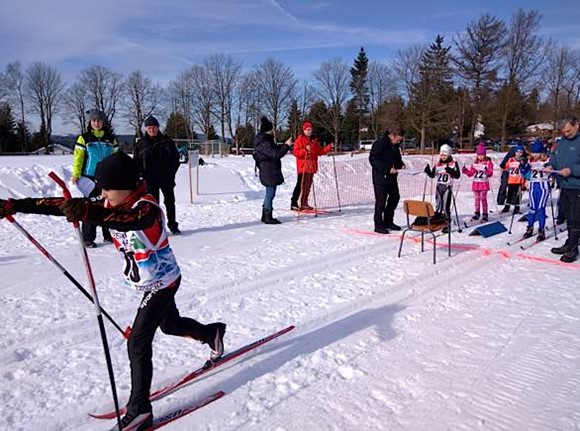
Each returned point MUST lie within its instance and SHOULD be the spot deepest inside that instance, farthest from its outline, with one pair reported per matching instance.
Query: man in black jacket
(385, 159)
(158, 160)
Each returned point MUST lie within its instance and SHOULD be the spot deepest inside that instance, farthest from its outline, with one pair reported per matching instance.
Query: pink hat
(480, 151)
(307, 125)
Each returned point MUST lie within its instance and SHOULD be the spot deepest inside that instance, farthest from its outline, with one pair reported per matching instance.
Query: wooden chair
(423, 209)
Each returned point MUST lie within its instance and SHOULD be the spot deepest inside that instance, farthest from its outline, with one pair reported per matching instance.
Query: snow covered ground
(488, 339)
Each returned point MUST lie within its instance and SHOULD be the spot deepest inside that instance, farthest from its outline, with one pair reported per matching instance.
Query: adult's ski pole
(67, 274)
(91, 280)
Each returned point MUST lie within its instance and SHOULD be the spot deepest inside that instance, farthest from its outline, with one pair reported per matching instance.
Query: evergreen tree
(177, 127)
(211, 134)
(8, 138)
(245, 136)
(432, 94)
(319, 115)
(359, 87)
(294, 119)
(350, 132)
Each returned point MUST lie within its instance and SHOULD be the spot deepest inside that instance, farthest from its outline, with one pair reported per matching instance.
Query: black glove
(449, 170)
(6, 208)
(427, 169)
(75, 209)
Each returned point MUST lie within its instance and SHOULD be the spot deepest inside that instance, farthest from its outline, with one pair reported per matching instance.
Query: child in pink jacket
(481, 171)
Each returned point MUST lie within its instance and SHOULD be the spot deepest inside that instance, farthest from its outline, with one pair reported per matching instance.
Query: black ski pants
(89, 228)
(570, 200)
(168, 201)
(387, 198)
(502, 191)
(157, 310)
(514, 194)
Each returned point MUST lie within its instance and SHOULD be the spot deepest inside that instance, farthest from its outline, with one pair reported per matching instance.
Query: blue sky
(162, 38)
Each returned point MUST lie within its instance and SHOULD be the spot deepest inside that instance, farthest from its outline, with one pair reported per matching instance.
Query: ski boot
(529, 232)
(475, 216)
(484, 217)
(541, 234)
(506, 209)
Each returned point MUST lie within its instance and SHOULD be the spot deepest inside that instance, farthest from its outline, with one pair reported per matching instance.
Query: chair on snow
(424, 210)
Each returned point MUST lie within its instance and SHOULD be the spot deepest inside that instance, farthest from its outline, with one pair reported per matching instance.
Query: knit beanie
(445, 149)
(96, 114)
(151, 121)
(519, 148)
(117, 172)
(481, 151)
(307, 125)
(265, 125)
(538, 147)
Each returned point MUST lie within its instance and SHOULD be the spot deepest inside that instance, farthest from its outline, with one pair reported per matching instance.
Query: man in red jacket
(306, 150)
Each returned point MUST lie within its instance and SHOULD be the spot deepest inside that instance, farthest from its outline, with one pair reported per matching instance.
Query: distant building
(539, 128)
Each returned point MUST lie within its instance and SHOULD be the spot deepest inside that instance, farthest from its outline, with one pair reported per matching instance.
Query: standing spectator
(158, 161)
(268, 157)
(566, 163)
(306, 150)
(91, 147)
(385, 159)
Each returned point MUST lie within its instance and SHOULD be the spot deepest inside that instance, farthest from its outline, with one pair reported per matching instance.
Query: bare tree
(305, 95)
(14, 78)
(202, 97)
(225, 72)
(246, 108)
(276, 83)
(333, 80)
(142, 98)
(560, 79)
(524, 53)
(180, 97)
(75, 105)
(43, 88)
(105, 89)
(478, 58)
(408, 74)
(381, 85)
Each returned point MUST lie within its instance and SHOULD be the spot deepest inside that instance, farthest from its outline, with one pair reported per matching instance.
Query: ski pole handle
(65, 191)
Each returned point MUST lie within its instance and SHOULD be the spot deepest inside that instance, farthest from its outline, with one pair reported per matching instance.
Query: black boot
(268, 219)
(263, 219)
(476, 216)
(562, 249)
(570, 256)
(516, 209)
(484, 218)
(506, 209)
(529, 232)
(541, 234)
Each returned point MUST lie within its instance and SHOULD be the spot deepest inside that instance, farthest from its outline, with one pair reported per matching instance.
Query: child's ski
(185, 410)
(208, 367)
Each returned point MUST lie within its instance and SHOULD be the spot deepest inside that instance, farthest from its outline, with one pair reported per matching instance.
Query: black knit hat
(265, 125)
(117, 172)
(96, 114)
(151, 121)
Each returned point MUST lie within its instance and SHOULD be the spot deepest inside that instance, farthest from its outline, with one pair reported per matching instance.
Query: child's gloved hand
(464, 170)
(449, 170)
(75, 209)
(6, 208)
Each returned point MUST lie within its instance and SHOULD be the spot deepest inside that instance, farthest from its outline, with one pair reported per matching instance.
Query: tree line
(498, 75)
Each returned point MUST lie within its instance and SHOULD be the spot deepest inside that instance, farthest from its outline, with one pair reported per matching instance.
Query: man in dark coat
(385, 159)
(268, 157)
(158, 161)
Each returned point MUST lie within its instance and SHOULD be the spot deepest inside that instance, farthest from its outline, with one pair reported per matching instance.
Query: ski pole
(67, 274)
(336, 183)
(553, 217)
(456, 213)
(93, 287)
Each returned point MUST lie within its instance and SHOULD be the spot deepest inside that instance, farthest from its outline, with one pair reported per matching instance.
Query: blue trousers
(539, 194)
(269, 198)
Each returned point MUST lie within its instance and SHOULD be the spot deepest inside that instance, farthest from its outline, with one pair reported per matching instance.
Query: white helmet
(446, 149)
